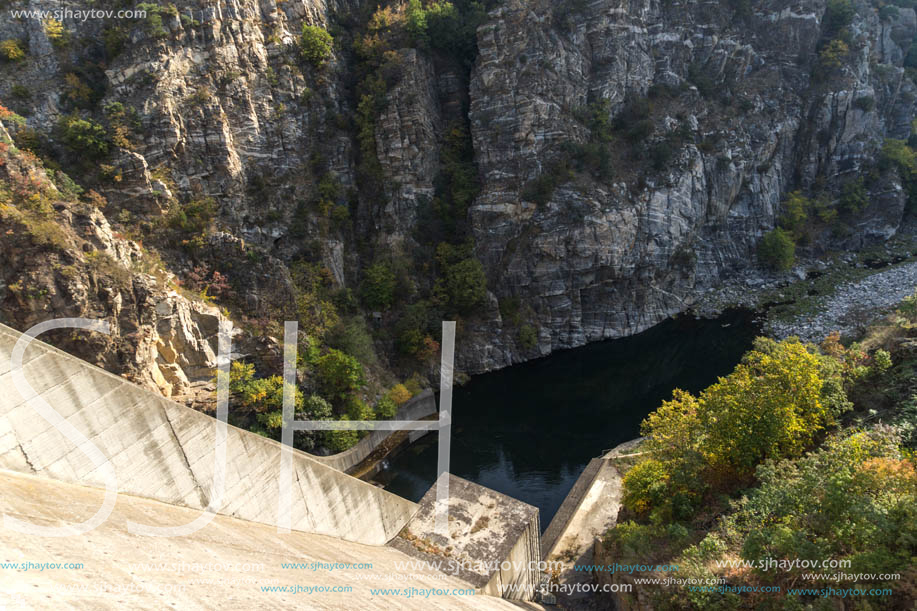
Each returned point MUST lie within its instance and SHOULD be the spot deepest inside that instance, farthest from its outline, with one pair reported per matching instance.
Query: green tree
(897, 154)
(263, 398)
(777, 250)
(261, 395)
(315, 45)
(462, 285)
(378, 287)
(338, 441)
(412, 329)
(386, 408)
(646, 485)
(832, 56)
(316, 311)
(854, 499)
(673, 440)
(84, 137)
(315, 408)
(339, 374)
(352, 336)
(466, 285)
(357, 409)
(416, 22)
(773, 405)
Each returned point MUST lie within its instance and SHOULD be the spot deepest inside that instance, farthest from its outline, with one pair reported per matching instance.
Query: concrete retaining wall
(417, 408)
(161, 450)
(519, 579)
(568, 508)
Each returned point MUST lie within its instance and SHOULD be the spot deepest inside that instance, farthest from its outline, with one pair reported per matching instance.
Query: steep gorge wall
(227, 110)
(608, 258)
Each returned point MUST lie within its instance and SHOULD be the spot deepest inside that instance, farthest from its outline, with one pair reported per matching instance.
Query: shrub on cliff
(897, 154)
(11, 50)
(528, 337)
(153, 23)
(777, 250)
(854, 197)
(314, 306)
(352, 336)
(838, 15)
(541, 189)
(315, 45)
(378, 287)
(194, 217)
(83, 137)
(412, 333)
(462, 284)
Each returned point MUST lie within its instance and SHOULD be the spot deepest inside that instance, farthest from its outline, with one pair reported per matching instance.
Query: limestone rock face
(406, 140)
(743, 111)
(157, 337)
(610, 258)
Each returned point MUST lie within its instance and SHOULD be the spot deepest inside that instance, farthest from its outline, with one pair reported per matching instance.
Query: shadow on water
(529, 430)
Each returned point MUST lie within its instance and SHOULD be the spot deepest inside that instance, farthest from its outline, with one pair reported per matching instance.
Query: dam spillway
(162, 456)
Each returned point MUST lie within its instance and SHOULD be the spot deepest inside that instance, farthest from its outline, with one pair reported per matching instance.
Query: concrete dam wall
(163, 458)
(120, 566)
(417, 408)
(161, 450)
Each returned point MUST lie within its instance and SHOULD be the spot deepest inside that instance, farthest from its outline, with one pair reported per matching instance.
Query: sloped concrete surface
(125, 571)
(164, 451)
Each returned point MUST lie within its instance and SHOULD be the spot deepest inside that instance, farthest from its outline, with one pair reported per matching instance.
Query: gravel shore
(852, 306)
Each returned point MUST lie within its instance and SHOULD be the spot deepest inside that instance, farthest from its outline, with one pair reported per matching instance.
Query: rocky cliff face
(606, 258)
(159, 338)
(732, 119)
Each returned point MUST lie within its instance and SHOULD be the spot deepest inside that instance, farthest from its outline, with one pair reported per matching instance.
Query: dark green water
(528, 431)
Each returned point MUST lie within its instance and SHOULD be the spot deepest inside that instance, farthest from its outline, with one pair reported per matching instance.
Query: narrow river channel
(529, 430)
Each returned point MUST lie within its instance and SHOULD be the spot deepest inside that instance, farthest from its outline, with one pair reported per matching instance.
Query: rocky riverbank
(852, 306)
(821, 296)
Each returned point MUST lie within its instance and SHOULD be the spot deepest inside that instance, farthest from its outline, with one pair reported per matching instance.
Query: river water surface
(529, 430)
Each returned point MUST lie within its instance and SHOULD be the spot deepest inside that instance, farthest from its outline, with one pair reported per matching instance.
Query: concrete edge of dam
(164, 451)
(417, 408)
